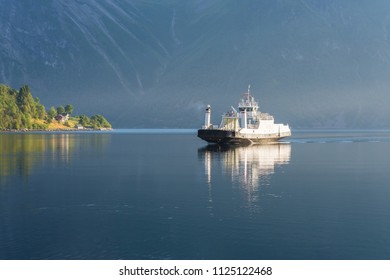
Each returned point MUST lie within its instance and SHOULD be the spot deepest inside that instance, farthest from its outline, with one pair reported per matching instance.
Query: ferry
(246, 126)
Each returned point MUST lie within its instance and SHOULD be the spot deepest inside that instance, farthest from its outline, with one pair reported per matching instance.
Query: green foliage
(24, 100)
(69, 109)
(38, 126)
(84, 120)
(60, 110)
(95, 122)
(98, 121)
(40, 109)
(52, 112)
(19, 110)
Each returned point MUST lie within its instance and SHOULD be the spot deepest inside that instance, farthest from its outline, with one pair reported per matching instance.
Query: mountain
(311, 63)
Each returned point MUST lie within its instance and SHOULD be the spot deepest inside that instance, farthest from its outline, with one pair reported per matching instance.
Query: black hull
(215, 136)
(219, 136)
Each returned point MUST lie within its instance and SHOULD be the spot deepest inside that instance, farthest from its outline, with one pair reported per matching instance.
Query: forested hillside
(19, 110)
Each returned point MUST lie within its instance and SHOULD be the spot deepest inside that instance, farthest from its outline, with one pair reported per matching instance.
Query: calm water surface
(164, 194)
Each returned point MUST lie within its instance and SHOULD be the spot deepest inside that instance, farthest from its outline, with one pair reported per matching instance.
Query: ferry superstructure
(246, 126)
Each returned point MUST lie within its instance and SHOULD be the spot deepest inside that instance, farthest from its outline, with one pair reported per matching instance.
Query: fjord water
(164, 194)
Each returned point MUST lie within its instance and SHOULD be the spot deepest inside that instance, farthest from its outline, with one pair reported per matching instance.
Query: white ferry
(246, 126)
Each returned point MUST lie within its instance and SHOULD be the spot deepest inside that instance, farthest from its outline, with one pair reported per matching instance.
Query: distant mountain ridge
(312, 63)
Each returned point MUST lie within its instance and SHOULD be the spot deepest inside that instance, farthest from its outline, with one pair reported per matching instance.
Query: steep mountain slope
(158, 63)
(82, 40)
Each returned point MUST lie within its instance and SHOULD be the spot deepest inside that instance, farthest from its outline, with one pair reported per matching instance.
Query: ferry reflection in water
(248, 167)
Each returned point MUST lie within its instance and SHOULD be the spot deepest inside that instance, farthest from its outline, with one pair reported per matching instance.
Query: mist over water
(167, 195)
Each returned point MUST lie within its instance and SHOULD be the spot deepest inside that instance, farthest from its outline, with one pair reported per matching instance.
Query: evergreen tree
(98, 121)
(39, 109)
(84, 121)
(69, 109)
(52, 112)
(25, 101)
(60, 110)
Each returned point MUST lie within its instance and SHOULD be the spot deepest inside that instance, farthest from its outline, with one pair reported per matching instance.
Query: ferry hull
(230, 137)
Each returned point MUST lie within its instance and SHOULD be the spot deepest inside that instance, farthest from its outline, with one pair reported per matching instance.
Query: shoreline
(56, 130)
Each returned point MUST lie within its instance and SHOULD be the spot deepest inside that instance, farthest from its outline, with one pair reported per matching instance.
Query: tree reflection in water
(21, 153)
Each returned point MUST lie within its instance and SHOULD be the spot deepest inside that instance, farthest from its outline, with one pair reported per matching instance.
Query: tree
(52, 112)
(69, 109)
(25, 101)
(84, 121)
(60, 110)
(26, 121)
(98, 121)
(40, 111)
